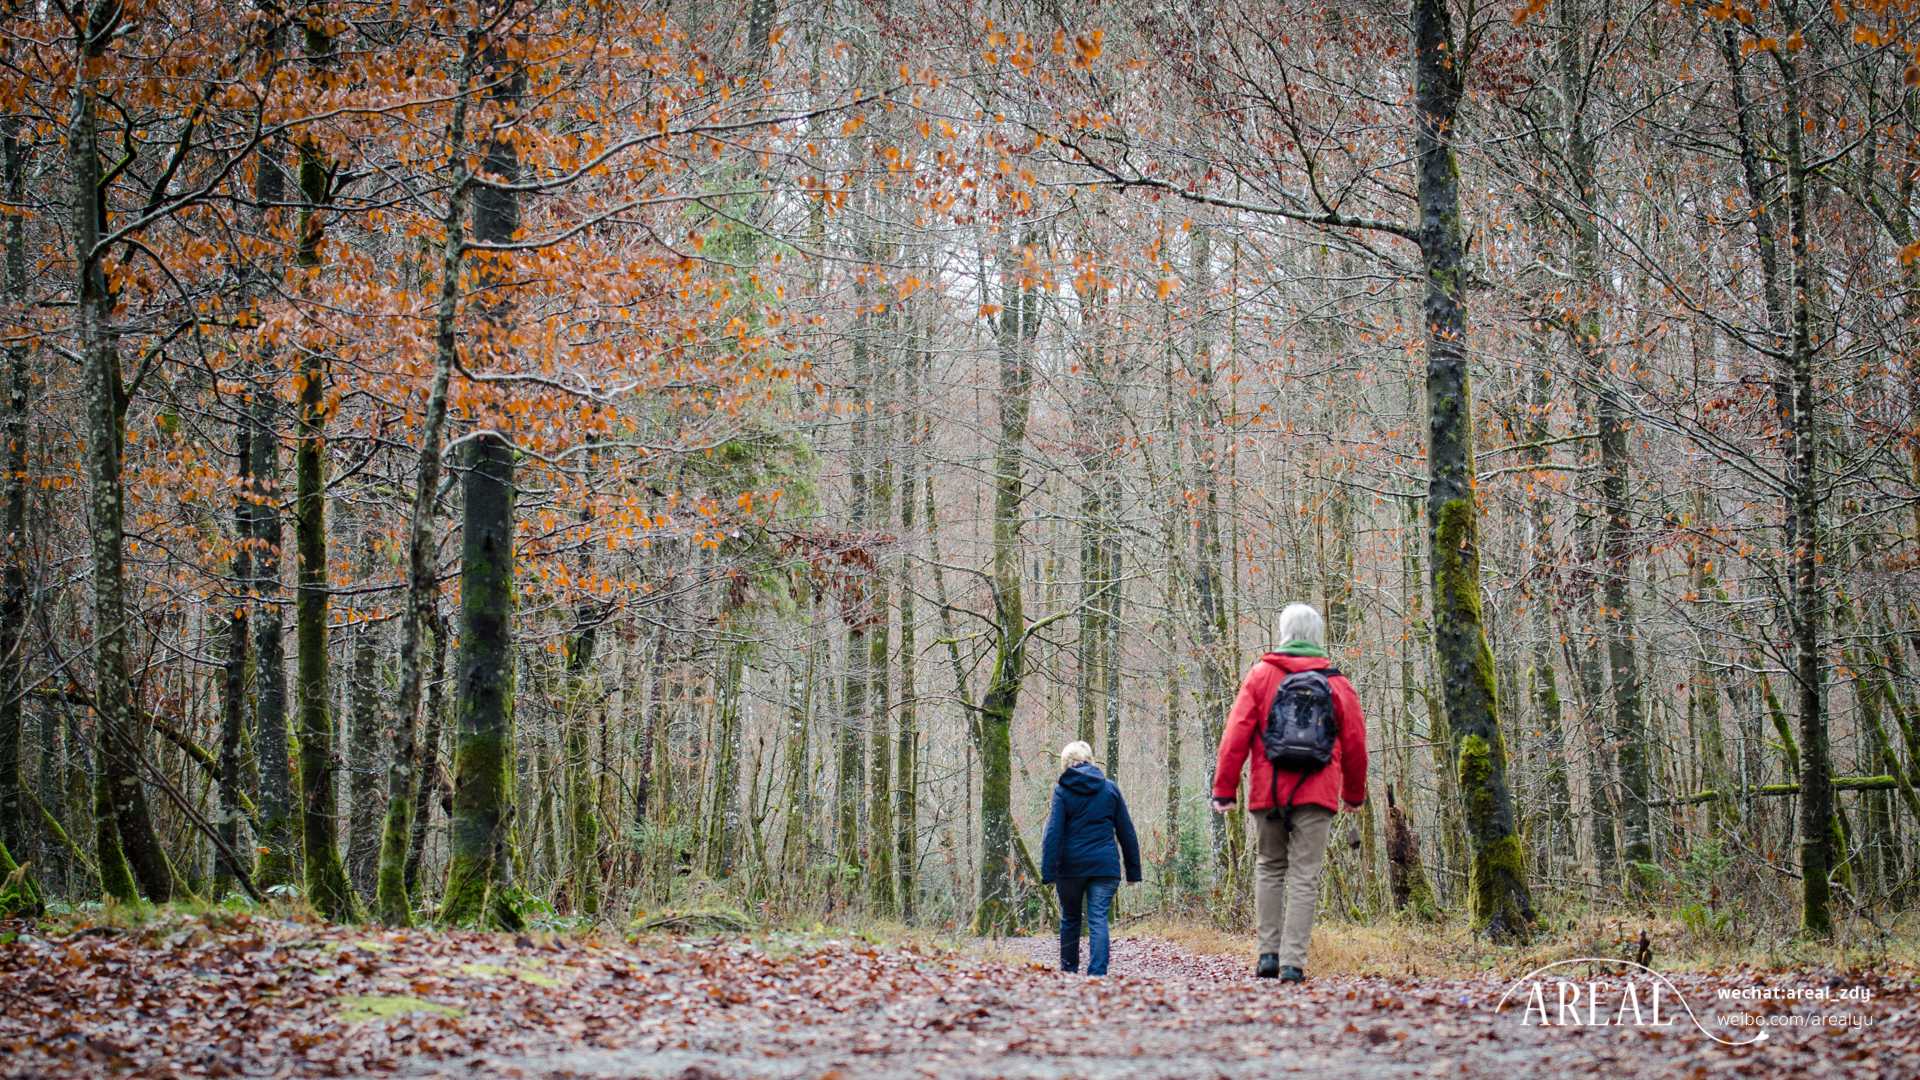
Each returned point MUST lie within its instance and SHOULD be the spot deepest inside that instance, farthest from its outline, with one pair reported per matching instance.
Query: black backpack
(1300, 732)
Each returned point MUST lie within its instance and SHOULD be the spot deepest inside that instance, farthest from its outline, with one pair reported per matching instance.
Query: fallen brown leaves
(259, 996)
(255, 995)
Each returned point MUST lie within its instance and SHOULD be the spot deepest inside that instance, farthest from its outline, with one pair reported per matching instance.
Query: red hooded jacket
(1345, 777)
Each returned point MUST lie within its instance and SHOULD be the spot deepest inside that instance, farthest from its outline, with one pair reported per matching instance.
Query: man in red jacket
(1293, 839)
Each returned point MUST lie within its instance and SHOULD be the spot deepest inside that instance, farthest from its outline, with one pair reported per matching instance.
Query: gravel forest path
(272, 998)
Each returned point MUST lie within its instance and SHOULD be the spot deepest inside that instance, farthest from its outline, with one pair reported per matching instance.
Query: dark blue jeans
(1098, 894)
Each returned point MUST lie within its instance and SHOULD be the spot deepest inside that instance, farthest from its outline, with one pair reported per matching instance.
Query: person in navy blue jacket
(1080, 856)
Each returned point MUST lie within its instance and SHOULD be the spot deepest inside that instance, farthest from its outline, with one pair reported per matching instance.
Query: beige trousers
(1286, 881)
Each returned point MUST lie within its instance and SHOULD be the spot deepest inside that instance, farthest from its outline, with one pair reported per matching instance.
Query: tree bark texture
(404, 774)
(483, 788)
(994, 913)
(1498, 898)
(119, 744)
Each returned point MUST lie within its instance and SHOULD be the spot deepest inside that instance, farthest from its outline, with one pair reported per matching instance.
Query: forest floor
(225, 996)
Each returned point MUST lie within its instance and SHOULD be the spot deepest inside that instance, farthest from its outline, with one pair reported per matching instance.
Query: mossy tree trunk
(879, 668)
(13, 529)
(407, 781)
(583, 706)
(795, 843)
(1209, 613)
(1623, 666)
(907, 743)
(1542, 596)
(1170, 675)
(855, 607)
(1805, 537)
(1703, 696)
(119, 744)
(363, 754)
(325, 877)
(1584, 651)
(23, 897)
(994, 911)
(1498, 898)
(479, 833)
(326, 880)
(1090, 646)
(272, 747)
(1115, 592)
(723, 823)
(1406, 874)
(1787, 324)
(427, 763)
(233, 673)
(650, 729)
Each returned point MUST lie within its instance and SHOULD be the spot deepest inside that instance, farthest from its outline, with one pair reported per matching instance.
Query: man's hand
(1221, 806)
(1347, 807)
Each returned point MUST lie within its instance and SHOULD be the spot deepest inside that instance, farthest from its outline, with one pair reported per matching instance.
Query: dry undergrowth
(1449, 949)
(1339, 948)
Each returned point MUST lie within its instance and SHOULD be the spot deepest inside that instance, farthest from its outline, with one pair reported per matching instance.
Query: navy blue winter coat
(1088, 815)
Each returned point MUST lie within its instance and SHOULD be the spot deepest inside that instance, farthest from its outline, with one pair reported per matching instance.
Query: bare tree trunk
(907, 742)
(363, 758)
(650, 728)
(119, 744)
(1020, 315)
(13, 583)
(404, 772)
(881, 840)
(1629, 730)
(326, 881)
(1546, 686)
(233, 674)
(853, 698)
(796, 844)
(427, 767)
(272, 744)
(1805, 535)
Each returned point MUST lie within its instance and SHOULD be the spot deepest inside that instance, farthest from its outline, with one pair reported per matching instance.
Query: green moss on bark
(326, 878)
(480, 834)
(19, 894)
(116, 878)
(1497, 894)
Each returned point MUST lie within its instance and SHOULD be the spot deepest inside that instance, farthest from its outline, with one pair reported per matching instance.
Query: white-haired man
(1308, 763)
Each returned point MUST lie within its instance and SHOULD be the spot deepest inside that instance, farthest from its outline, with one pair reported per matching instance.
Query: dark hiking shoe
(1269, 966)
(1292, 974)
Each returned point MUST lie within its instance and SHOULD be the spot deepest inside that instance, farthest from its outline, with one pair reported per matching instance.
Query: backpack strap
(1284, 815)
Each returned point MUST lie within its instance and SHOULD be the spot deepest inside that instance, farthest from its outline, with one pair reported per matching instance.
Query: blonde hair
(1300, 622)
(1074, 753)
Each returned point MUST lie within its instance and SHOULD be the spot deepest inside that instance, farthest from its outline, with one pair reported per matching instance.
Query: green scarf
(1301, 647)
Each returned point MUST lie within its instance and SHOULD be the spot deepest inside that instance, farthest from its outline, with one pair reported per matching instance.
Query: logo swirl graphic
(1679, 996)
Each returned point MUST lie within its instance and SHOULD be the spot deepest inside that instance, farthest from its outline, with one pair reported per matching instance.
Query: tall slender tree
(1498, 897)
(119, 745)
(1018, 325)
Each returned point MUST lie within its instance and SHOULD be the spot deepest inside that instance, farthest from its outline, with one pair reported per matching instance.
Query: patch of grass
(702, 921)
(356, 1010)
(483, 971)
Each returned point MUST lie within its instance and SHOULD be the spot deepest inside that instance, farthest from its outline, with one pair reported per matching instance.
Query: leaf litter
(255, 996)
